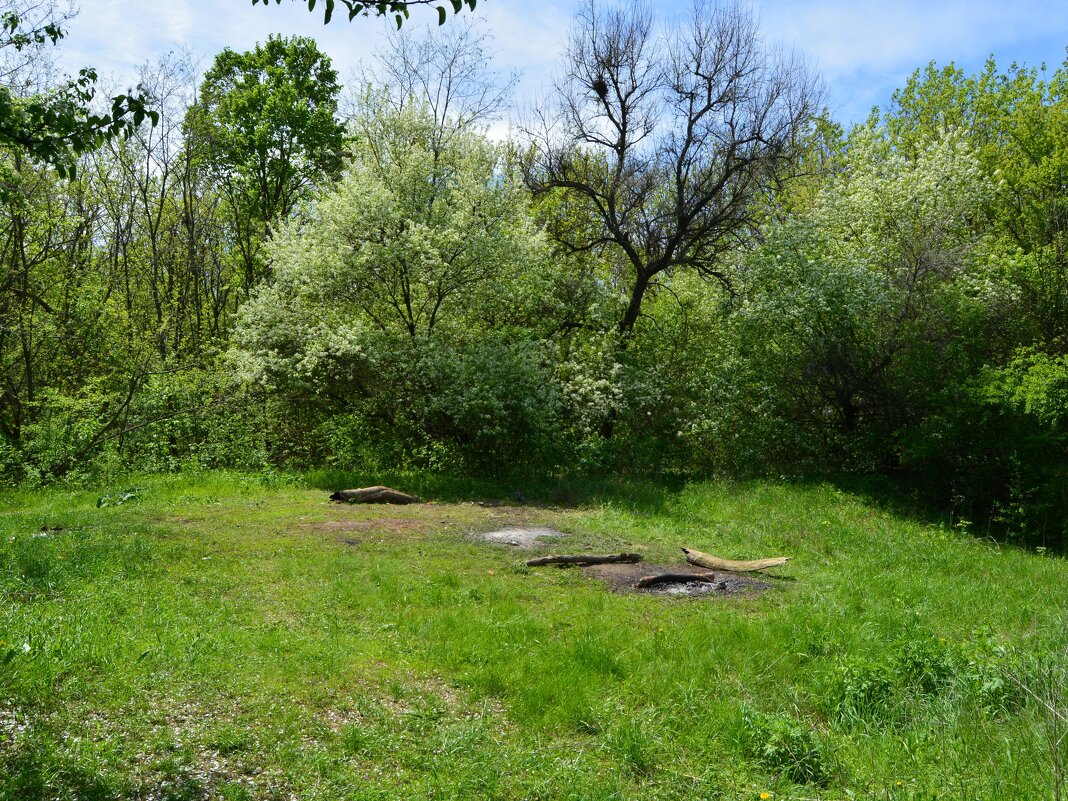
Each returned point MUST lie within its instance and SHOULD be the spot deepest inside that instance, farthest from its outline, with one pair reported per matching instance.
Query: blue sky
(864, 49)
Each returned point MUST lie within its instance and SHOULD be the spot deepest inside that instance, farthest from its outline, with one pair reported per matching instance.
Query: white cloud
(865, 49)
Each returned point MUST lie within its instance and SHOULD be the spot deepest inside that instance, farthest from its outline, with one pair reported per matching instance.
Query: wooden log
(586, 559)
(674, 578)
(373, 495)
(716, 563)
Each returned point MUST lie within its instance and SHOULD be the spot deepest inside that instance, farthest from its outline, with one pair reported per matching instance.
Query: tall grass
(229, 636)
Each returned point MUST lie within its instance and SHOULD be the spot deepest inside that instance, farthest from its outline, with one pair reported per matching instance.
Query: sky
(864, 49)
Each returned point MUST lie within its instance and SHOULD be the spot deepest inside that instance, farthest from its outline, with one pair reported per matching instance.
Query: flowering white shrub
(852, 316)
(403, 294)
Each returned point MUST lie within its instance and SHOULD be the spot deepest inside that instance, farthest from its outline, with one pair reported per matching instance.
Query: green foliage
(265, 129)
(1015, 122)
(922, 678)
(408, 301)
(57, 126)
(398, 8)
(865, 692)
(786, 746)
(998, 445)
(119, 498)
(852, 315)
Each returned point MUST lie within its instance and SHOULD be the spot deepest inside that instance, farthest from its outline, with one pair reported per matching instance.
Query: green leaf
(456, 6)
(442, 15)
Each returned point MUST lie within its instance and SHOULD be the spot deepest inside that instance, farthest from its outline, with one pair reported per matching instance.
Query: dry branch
(674, 578)
(373, 495)
(585, 559)
(716, 563)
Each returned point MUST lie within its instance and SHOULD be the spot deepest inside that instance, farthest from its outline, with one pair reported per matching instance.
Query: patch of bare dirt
(622, 577)
(373, 525)
(513, 515)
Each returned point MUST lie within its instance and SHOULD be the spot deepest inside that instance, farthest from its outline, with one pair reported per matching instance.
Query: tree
(1017, 121)
(449, 72)
(669, 138)
(410, 243)
(160, 223)
(404, 300)
(398, 9)
(266, 129)
(56, 126)
(853, 318)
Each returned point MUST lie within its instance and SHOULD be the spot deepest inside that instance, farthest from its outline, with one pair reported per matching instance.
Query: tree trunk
(716, 563)
(634, 308)
(373, 495)
(586, 559)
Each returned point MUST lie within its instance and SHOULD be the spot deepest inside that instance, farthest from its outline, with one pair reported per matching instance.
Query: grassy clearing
(235, 637)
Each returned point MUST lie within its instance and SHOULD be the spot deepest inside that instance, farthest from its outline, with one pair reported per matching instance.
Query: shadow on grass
(641, 495)
(913, 498)
(649, 495)
(40, 773)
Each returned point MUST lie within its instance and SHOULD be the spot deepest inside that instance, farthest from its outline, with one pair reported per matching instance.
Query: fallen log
(674, 578)
(716, 563)
(373, 495)
(585, 559)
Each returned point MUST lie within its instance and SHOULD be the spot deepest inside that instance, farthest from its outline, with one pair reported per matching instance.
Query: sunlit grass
(227, 636)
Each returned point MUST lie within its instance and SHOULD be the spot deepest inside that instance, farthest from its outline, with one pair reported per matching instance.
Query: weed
(120, 498)
(983, 674)
(630, 743)
(925, 666)
(364, 740)
(231, 740)
(865, 692)
(785, 746)
(1043, 680)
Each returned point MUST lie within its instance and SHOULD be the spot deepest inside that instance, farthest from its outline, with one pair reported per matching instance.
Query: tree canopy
(265, 127)
(669, 138)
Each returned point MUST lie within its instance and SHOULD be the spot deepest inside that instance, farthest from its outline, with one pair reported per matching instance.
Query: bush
(997, 450)
(786, 746)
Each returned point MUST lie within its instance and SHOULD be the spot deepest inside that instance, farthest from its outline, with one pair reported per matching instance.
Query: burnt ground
(524, 528)
(621, 578)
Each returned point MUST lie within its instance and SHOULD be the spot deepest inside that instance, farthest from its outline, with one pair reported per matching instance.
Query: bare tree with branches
(449, 71)
(669, 138)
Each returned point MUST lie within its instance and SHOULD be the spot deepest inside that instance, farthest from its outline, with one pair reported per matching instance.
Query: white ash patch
(686, 588)
(518, 536)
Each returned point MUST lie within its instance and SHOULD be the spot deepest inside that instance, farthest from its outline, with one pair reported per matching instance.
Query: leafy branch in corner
(399, 10)
(58, 125)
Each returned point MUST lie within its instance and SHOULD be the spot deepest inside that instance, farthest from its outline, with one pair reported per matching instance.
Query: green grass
(238, 637)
